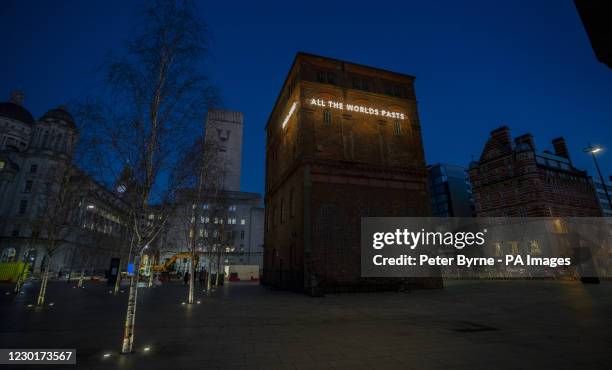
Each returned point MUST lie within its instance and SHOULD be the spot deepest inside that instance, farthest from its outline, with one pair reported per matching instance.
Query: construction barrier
(11, 271)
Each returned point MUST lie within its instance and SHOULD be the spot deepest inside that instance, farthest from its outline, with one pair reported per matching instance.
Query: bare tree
(56, 205)
(155, 102)
(201, 170)
(95, 243)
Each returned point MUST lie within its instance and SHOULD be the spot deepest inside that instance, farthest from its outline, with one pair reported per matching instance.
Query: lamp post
(594, 150)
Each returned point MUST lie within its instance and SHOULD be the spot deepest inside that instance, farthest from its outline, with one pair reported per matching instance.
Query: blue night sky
(478, 64)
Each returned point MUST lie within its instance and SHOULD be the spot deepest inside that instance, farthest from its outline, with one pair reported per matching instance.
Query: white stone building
(229, 221)
(224, 131)
(34, 155)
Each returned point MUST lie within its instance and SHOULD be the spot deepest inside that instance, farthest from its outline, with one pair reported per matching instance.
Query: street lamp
(593, 150)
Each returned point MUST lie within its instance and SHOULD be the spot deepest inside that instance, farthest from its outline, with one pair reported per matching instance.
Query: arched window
(8, 255)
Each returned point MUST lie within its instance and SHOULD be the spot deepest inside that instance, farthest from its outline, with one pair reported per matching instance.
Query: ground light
(106, 355)
(147, 349)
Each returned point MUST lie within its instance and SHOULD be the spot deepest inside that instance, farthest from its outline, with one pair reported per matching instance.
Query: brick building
(343, 142)
(514, 179)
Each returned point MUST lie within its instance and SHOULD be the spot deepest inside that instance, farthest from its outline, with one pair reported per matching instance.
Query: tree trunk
(218, 268)
(191, 279)
(151, 264)
(130, 316)
(80, 284)
(20, 279)
(43, 284)
(209, 276)
(118, 280)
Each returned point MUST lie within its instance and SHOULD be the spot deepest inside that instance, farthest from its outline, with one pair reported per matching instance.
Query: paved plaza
(467, 325)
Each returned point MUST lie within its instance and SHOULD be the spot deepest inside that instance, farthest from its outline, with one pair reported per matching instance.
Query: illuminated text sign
(356, 108)
(291, 110)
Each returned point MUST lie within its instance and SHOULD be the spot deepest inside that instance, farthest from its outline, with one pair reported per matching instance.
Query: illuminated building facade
(343, 142)
(34, 155)
(513, 179)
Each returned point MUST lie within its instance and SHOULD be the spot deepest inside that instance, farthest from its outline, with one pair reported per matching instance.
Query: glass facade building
(450, 191)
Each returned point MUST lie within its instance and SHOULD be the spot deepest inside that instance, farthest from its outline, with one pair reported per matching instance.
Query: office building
(450, 191)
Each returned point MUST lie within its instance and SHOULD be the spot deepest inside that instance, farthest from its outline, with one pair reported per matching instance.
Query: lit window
(514, 248)
(498, 250)
(243, 222)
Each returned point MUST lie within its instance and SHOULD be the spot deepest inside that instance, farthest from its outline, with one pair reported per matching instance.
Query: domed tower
(16, 124)
(55, 133)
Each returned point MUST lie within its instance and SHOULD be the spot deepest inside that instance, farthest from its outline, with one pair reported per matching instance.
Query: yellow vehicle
(11, 272)
(166, 266)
